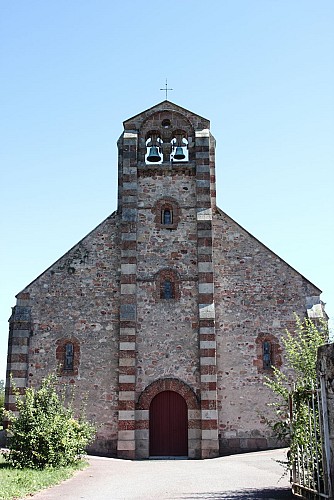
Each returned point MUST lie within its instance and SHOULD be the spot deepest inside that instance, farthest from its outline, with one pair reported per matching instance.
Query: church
(168, 315)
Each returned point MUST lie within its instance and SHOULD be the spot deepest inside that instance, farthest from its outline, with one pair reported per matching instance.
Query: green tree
(301, 353)
(46, 433)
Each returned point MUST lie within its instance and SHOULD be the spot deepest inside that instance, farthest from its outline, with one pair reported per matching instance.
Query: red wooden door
(168, 425)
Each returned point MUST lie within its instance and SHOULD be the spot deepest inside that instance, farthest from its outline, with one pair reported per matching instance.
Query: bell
(179, 155)
(153, 155)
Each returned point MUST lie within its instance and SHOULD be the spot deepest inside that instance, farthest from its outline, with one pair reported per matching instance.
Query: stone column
(206, 306)
(127, 338)
(212, 171)
(18, 350)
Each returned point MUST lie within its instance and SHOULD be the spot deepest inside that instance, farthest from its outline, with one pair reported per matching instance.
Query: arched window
(167, 216)
(168, 285)
(167, 289)
(266, 355)
(69, 356)
(166, 213)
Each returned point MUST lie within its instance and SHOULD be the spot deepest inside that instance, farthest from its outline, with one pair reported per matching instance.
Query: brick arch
(177, 119)
(167, 384)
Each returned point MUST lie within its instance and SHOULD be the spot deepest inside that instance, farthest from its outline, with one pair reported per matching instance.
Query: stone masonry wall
(256, 295)
(77, 299)
(167, 329)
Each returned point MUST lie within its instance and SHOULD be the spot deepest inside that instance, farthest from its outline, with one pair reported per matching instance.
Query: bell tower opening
(153, 148)
(179, 148)
(166, 137)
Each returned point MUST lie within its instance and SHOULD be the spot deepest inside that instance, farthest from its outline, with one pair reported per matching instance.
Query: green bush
(45, 432)
(301, 349)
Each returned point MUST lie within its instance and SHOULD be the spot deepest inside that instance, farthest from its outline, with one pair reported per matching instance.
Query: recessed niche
(166, 123)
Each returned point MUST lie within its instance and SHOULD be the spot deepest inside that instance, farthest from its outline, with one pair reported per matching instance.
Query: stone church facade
(167, 315)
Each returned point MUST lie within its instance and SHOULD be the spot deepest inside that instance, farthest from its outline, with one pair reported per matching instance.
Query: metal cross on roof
(166, 89)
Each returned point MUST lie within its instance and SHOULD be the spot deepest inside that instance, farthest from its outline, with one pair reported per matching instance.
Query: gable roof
(165, 106)
(224, 214)
(111, 217)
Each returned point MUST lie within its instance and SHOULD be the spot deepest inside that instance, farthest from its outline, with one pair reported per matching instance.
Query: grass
(17, 483)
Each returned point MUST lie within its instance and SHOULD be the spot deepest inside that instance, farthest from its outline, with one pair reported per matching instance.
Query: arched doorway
(168, 425)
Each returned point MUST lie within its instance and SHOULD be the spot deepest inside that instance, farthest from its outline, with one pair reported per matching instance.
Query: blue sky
(72, 71)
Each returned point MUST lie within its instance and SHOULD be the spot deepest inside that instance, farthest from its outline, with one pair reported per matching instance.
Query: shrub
(45, 432)
(301, 352)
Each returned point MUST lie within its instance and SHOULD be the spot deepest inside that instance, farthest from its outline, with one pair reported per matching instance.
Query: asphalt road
(249, 476)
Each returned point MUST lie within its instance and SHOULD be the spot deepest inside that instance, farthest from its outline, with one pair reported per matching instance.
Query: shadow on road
(253, 494)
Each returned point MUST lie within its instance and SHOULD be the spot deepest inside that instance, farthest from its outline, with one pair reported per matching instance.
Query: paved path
(248, 477)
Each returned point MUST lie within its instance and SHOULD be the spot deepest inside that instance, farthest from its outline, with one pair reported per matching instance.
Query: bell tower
(167, 342)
